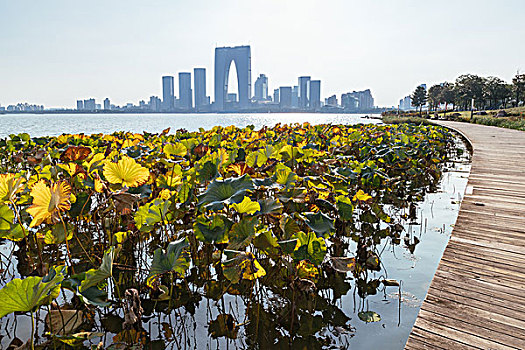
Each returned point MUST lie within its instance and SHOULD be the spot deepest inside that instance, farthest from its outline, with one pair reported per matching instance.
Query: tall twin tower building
(305, 96)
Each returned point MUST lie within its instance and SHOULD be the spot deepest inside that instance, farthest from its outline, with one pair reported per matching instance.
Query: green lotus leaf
(242, 233)
(345, 208)
(6, 217)
(31, 292)
(95, 276)
(320, 223)
(173, 259)
(266, 242)
(152, 213)
(270, 207)
(212, 230)
(289, 226)
(225, 192)
(311, 248)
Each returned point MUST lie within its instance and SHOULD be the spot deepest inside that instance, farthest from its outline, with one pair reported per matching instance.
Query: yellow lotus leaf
(251, 268)
(361, 196)
(49, 201)
(126, 172)
(247, 206)
(10, 186)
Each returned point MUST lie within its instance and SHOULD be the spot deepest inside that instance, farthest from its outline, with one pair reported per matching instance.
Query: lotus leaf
(27, 294)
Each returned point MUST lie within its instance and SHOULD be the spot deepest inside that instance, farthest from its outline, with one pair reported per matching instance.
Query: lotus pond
(282, 237)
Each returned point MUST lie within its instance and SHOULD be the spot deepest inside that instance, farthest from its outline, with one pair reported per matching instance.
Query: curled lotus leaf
(48, 202)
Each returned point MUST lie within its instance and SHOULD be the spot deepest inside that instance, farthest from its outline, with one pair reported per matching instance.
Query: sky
(54, 52)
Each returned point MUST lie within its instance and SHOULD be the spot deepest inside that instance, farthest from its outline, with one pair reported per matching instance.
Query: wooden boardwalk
(477, 297)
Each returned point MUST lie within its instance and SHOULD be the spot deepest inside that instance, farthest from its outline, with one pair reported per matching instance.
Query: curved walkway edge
(476, 299)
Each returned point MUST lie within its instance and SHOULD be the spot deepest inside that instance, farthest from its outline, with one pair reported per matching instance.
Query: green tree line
(487, 93)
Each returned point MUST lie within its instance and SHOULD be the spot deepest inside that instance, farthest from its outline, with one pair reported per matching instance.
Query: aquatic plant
(285, 219)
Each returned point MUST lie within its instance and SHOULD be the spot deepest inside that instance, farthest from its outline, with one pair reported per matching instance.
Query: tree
(435, 96)
(419, 98)
(448, 95)
(518, 86)
(468, 87)
(495, 90)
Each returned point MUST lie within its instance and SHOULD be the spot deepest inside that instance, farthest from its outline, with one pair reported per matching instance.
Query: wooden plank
(476, 297)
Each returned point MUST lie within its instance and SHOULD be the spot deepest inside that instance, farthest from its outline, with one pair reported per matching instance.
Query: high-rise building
(80, 105)
(315, 95)
(304, 92)
(331, 101)
(185, 95)
(107, 104)
(224, 56)
(276, 95)
(154, 104)
(261, 88)
(295, 97)
(285, 97)
(199, 84)
(364, 99)
(405, 104)
(349, 102)
(168, 96)
(90, 105)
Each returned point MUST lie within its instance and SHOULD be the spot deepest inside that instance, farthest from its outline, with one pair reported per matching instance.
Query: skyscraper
(107, 104)
(261, 88)
(315, 94)
(285, 97)
(363, 100)
(90, 105)
(80, 105)
(224, 56)
(185, 98)
(295, 97)
(154, 104)
(199, 84)
(304, 92)
(276, 95)
(168, 96)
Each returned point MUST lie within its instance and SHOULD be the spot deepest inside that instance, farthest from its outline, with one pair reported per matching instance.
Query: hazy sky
(55, 51)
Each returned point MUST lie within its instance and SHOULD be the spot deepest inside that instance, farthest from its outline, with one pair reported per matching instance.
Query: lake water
(398, 308)
(56, 124)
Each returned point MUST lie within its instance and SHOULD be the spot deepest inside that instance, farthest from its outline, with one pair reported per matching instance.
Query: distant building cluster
(192, 96)
(22, 107)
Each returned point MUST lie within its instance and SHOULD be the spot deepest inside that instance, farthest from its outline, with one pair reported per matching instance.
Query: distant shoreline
(74, 111)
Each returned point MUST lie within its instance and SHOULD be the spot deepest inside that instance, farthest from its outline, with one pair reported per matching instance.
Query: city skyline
(305, 96)
(57, 52)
